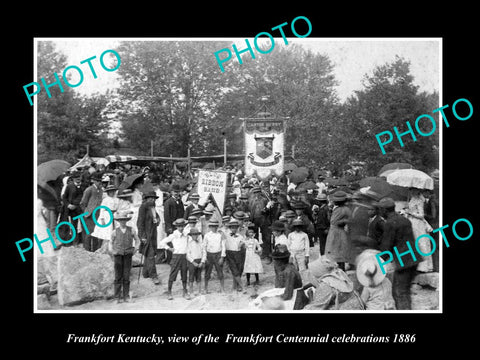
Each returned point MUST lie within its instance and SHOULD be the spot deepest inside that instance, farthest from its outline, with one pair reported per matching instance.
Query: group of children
(192, 252)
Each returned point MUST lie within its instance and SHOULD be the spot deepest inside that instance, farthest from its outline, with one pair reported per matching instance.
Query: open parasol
(51, 170)
(410, 178)
(389, 168)
(383, 188)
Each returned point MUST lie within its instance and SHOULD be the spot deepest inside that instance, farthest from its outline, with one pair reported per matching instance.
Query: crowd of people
(267, 221)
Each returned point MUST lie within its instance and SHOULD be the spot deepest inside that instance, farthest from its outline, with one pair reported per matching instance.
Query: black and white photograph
(214, 180)
(262, 187)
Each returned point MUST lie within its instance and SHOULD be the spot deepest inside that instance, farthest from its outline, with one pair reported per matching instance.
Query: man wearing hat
(288, 276)
(122, 248)
(241, 217)
(214, 244)
(361, 206)
(233, 244)
(91, 199)
(321, 220)
(191, 222)
(194, 198)
(173, 208)
(147, 222)
(177, 243)
(71, 199)
(398, 231)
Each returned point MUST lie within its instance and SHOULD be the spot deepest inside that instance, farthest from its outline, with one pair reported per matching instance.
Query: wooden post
(88, 149)
(188, 160)
(151, 148)
(224, 151)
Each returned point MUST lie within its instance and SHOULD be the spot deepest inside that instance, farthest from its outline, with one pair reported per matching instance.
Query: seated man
(288, 277)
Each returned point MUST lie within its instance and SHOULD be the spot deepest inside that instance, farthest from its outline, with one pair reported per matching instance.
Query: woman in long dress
(415, 213)
(337, 247)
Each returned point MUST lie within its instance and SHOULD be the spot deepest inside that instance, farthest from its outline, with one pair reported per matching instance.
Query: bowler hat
(339, 196)
(175, 187)
(386, 203)
(150, 194)
(278, 226)
(97, 176)
(281, 252)
(179, 222)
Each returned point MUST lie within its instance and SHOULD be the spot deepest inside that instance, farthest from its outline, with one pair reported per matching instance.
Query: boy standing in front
(299, 245)
(196, 257)
(215, 247)
(121, 246)
(178, 263)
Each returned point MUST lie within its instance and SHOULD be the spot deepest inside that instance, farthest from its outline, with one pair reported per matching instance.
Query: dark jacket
(290, 279)
(398, 230)
(92, 198)
(376, 227)
(147, 228)
(173, 210)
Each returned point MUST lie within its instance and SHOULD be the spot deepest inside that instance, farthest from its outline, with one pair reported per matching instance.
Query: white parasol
(410, 178)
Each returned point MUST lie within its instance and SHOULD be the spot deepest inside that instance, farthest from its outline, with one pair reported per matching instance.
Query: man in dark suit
(147, 222)
(91, 199)
(194, 198)
(173, 209)
(398, 231)
(376, 225)
(71, 201)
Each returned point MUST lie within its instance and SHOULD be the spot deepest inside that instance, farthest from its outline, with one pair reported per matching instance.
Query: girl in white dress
(112, 202)
(253, 264)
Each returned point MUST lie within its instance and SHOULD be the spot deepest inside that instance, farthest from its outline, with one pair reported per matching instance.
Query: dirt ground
(145, 296)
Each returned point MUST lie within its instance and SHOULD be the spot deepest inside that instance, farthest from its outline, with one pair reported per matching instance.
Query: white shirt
(299, 242)
(178, 240)
(196, 249)
(234, 242)
(214, 243)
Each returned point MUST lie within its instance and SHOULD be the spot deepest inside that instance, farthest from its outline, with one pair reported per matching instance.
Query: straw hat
(368, 268)
(194, 231)
(192, 219)
(339, 196)
(179, 222)
(125, 193)
(213, 223)
(232, 223)
(122, 216)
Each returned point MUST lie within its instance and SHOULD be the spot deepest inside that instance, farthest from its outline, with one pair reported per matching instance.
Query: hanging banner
(214, 183)
(264, 139)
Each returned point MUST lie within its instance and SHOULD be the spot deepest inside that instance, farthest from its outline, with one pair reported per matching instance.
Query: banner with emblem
(264, 141)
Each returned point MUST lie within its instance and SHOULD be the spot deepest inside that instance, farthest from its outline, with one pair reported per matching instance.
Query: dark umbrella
(51, 170)
(383, 188)
(130, 181)
(393, 166)
(298, 175)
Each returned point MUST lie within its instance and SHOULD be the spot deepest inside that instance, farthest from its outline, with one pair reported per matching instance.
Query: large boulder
(83, 275)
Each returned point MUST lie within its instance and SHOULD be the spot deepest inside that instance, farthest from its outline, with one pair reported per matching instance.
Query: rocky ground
(145, 296)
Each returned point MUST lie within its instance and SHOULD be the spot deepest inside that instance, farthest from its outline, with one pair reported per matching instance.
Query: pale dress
(104, 217)
(420, 226)
(253, 263)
